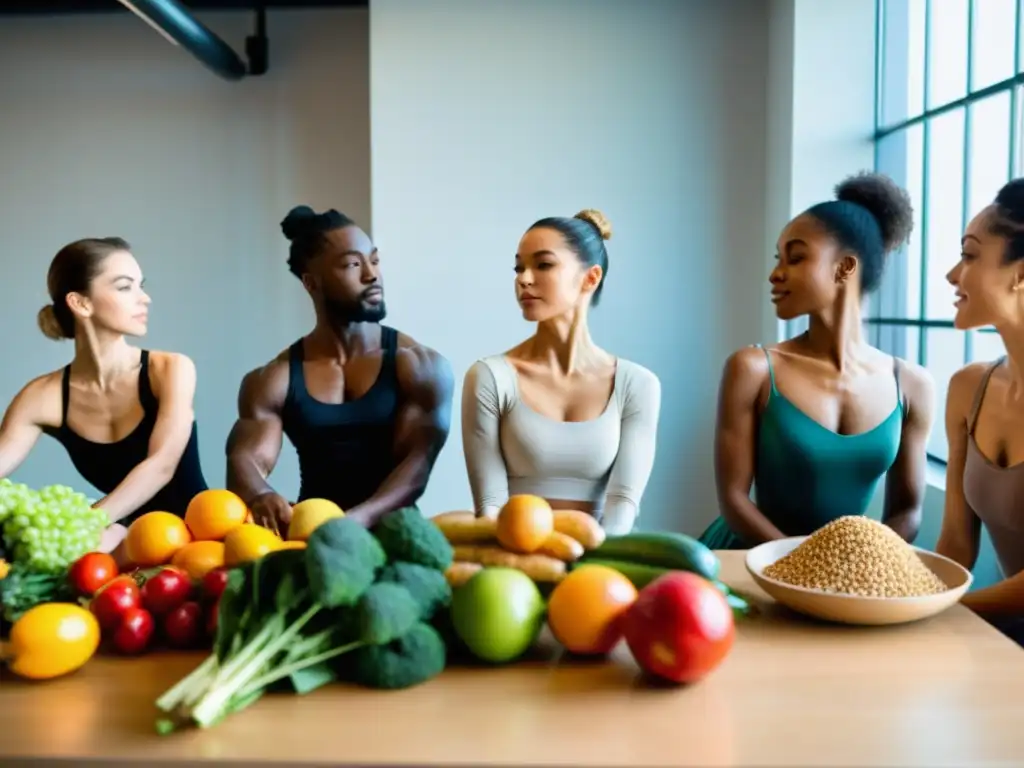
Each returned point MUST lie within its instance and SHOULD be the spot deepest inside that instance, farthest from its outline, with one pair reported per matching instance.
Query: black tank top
(105, 465)
(345, 450)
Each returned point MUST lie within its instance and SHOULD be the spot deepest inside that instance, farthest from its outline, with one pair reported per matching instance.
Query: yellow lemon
(308, 515)
(249, 542)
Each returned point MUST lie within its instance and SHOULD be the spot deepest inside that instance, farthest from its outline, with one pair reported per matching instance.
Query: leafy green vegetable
(292, 615)
(24, 588)
(416, 656)
(428, 585)
(407, 535)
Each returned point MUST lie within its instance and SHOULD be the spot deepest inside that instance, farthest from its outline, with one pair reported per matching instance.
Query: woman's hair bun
(1010, 201)
(886, 200)
(598, 219)
(297, 221)
(48, 323)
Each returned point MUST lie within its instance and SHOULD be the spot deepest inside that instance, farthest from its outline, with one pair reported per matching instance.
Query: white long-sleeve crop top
(512, 449)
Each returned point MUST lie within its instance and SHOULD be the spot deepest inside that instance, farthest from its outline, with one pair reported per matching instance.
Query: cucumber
(675, 551)
(640, 574)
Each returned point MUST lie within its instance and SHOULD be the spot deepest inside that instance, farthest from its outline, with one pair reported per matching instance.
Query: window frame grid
(880, 321)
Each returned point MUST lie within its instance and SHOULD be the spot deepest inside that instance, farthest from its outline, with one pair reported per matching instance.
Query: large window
(948, 128)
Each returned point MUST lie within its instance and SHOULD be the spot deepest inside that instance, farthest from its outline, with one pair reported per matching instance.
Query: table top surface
(944, 691)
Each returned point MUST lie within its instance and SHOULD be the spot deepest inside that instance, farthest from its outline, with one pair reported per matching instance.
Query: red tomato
(165, 591)
(113, 602)
(133, 634)
(92, 571)
(680, 628)
(183, 626)
(214, 583)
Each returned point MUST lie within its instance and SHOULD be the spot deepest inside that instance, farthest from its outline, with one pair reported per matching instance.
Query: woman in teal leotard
(815, 422)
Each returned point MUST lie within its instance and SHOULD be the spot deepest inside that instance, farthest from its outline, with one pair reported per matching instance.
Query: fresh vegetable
(92, 571)
(214, 583)
(407, 535)
(183, 626)
(112, 603)
(561, 547)
(427, 585)
(541, 568)
(48, 529)
(466, 528)
(580, 526)
(662, 550)
(211, 619)
(23, 589)
(165, 591)
(133, 634)
(51, 640)
(680, 628)
(309, 616)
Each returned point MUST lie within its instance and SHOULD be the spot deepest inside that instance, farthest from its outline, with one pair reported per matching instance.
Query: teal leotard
(806, 475)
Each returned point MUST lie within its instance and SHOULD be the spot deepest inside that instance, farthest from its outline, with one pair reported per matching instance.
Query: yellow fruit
(249, 542)
(213, 514)
(5, 568)
(199, 558)
(51, 640)
(292, 545)
(154, 539)
(308, 514)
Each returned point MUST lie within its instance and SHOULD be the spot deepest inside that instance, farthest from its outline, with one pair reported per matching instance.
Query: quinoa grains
(859, 556)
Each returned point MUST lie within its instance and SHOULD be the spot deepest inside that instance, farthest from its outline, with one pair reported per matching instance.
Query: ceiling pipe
(179, 27)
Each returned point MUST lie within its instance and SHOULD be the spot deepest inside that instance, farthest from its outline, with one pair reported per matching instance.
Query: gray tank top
(993, 492)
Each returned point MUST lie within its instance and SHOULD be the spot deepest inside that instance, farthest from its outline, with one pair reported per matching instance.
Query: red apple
(680, 628)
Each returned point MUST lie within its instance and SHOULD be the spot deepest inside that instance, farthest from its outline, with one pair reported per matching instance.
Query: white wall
(106, 129)
(654, 112)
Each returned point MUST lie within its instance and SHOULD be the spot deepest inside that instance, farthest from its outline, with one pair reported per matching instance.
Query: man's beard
(345, 312)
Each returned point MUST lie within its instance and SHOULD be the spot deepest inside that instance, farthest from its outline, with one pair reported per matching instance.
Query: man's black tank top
(105, 465)
(345, 450)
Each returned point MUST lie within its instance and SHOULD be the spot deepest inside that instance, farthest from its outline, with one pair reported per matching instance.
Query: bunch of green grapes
(49, 529)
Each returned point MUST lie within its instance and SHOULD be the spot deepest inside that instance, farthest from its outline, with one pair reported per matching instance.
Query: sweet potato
(561, 547)
(580, 526)
(466, 528)
(540, 568)
(459, 573)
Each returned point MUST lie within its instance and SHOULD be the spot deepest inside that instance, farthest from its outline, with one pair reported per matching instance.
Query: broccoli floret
(428, 585)
(407, 535)
(342, 560)
(385, 611)
(414, 658)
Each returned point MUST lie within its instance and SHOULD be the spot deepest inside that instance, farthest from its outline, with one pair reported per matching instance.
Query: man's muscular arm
(254, 444)
(427, 388)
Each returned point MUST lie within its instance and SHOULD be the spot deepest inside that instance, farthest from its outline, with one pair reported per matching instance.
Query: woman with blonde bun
(124, 415)
(557, 416)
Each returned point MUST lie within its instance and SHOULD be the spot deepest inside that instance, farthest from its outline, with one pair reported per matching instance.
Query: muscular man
(367, 408)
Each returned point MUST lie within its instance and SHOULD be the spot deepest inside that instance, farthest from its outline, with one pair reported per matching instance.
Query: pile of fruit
(657, 591)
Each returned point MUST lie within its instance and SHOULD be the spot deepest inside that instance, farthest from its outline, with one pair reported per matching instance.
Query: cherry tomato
(92, 571)
(165, 591)
(133, 634)
(214, 583)
(183, 626)
(113, 602)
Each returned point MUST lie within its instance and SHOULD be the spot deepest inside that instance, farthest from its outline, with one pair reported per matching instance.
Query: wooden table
(948, 691)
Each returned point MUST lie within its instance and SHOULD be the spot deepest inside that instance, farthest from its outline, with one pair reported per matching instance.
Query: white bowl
(851, 609)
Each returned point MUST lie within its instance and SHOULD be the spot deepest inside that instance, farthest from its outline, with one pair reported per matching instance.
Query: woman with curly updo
(814, 423)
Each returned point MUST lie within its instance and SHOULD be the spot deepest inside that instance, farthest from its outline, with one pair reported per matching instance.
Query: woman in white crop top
(557, 416)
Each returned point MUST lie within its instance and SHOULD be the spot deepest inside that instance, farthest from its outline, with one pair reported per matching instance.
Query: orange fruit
(213, 514)
(586, 609)
(249, 542)
(154, 538)
(198, 558)
(524, 523)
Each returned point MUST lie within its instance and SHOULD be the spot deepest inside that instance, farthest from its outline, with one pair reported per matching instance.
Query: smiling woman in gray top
(985, 412)
(557, 416)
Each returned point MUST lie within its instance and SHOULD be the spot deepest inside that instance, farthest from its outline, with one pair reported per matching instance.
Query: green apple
(498, 614)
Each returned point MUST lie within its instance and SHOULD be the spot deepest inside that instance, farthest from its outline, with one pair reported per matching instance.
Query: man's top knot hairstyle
(305, 228)
(871, 216)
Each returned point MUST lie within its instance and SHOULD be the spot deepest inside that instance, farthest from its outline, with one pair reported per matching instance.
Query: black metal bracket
(175, 22)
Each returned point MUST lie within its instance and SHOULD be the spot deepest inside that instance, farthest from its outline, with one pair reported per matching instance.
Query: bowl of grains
(856, 570)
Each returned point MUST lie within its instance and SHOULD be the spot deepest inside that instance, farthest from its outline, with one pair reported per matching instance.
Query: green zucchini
(639, 574)
(674, 551)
